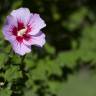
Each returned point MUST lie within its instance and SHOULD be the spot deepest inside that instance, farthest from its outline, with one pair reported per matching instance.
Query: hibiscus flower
(23, 29)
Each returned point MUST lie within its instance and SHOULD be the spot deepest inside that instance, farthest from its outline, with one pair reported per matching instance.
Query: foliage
(66, 65)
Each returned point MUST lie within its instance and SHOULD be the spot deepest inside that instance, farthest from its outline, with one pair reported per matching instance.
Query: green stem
(22, 64)
(22, 59)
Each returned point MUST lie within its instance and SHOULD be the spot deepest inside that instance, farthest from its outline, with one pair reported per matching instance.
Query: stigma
(22, 32)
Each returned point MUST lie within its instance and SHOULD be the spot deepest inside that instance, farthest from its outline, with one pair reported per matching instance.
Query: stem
(22, 59)
(22, 64)
(22, 68)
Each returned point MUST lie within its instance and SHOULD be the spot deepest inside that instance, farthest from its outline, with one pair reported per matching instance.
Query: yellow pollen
(22, 32)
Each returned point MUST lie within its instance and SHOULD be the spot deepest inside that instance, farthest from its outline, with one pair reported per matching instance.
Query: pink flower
(23, 29)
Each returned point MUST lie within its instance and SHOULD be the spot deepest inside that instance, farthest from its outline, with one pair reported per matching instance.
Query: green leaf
(16, 59)
(75, 19)
(88, 39)
(68, 58)
(5, 92)
(49, 49)
(29, 93)
(12, 73)
(17, 4)
(2, 59)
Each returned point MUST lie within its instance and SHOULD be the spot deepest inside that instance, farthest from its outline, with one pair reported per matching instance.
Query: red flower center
(21, 32)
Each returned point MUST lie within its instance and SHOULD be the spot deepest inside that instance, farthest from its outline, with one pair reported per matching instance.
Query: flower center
(22, 32)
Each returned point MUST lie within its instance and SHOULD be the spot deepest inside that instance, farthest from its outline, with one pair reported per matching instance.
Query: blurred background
(66, 65)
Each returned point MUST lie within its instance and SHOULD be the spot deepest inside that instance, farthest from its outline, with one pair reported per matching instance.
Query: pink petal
(28, 42)
(7, 34)
(11, 21)
(22, 14)
(21, 49)
(7, 28)
(38, 40)
(36, 23)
